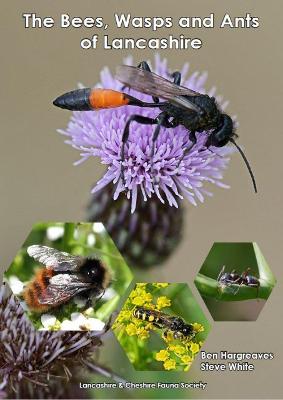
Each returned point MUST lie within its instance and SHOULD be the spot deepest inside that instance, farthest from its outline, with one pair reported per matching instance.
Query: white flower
(94, 324)
(54, 232)
(68, 325)
(48, 321)
(79, 322)
(91, 239)
(16, 285)
(109, 294)
(98, 227)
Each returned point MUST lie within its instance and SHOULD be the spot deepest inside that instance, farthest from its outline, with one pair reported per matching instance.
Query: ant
(227, 279)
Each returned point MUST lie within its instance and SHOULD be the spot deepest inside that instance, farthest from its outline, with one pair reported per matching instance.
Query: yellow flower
(162, 355)
(141, 285)
(147, 297)
(169, 364)
(162, 302)
(142, 333)
(160, 285)
(168, 338)
(149, 327)
(179, 350)
(198, 327)
(138, 301)
(131, 329)
(186, 359)
(124, 315)
(194, 347)
(137, 292)
(141, 298)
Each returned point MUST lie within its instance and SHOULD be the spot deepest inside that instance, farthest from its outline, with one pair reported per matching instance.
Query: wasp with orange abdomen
(63, 277)
(182, 106)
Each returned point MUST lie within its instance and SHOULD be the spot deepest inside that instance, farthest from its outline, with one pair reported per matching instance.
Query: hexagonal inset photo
(161, 327)
(68, 276)
(235, 281)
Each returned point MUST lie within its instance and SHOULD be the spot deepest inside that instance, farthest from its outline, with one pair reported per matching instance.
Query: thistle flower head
(145, 238)
(99, 134)
(34, 364)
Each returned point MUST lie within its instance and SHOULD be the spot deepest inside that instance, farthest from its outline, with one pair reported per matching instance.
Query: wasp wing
(61, 288)
(148, 82)
(59, 260)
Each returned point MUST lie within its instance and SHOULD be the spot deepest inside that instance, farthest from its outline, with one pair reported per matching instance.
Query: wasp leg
(212, 152)
(157, 325)
(193, 139)
(141, 120)
(177, 78)
(212, 141)
(162, 120)
(165, 334)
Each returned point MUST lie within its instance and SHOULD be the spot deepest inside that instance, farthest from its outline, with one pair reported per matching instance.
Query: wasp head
(223, 133)
(188, 331)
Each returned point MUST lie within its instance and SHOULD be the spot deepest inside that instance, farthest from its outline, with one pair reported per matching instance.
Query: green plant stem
(108, 308)
(209, 287)
(264, 271)
(69, 229)
(95, 251)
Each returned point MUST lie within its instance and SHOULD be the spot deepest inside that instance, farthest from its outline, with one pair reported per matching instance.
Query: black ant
(227, 279)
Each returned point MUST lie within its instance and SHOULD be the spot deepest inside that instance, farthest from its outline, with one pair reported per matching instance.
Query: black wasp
(227, 279)
(195, 111)
(172, 324)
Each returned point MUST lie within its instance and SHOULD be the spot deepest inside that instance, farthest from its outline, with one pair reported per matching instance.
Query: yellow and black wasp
(172, 324)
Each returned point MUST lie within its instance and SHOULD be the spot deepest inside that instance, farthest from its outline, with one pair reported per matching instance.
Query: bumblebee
(172, 324)
(64, 276)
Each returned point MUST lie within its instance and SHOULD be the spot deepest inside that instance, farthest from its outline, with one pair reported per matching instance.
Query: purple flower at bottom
(99, 134)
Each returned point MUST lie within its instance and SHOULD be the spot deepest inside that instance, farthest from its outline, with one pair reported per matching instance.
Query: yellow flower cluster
(178, 354)
(125, 321)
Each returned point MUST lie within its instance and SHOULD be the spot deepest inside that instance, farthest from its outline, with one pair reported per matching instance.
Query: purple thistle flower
(99, 134)
(37, 364)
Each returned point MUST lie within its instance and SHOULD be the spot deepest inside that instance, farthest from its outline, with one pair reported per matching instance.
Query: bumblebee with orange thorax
(64, 276)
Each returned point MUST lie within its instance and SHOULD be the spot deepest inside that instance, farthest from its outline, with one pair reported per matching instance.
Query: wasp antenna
(246, 162)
